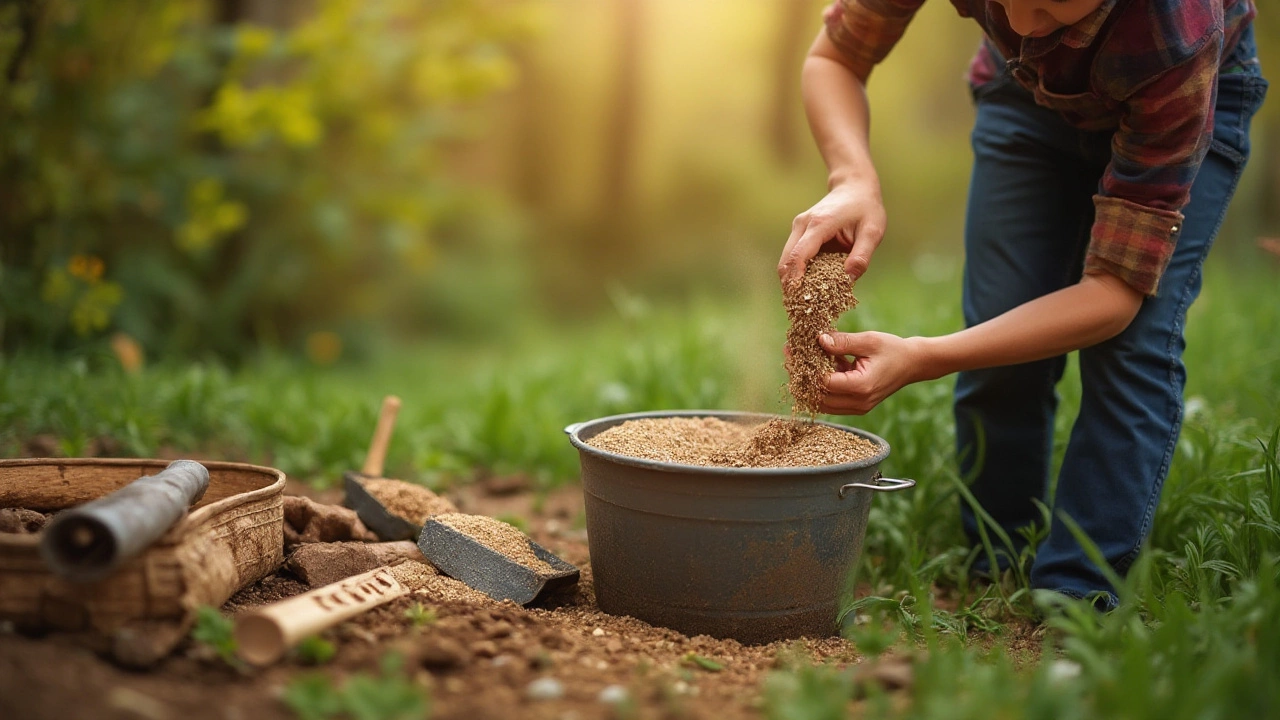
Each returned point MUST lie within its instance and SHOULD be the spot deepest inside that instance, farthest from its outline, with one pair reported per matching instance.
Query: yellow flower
(127, 351)
(253, 40)
(324, 347)
(86, 267)
(95, 269)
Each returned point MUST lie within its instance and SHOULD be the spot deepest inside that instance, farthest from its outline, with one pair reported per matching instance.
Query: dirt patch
(813, 304)
(712, 442)
(22, 521)
(272, 588)
(477, 658)
(411, 502)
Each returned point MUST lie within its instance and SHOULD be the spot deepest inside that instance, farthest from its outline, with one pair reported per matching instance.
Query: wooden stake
(264, 634)
(381, 437)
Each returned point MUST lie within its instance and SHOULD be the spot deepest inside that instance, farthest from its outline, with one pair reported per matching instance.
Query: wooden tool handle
(381, 437)
(264, 634)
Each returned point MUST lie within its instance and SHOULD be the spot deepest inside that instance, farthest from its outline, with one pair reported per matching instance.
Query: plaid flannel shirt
(1146, 69)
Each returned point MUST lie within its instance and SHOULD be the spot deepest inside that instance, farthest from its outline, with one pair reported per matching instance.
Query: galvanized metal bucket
(754, 554)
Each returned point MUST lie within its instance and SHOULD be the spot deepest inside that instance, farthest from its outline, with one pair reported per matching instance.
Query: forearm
(835, 102)
(1097, 308)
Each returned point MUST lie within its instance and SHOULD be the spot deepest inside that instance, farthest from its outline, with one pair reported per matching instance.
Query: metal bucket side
(752, 554)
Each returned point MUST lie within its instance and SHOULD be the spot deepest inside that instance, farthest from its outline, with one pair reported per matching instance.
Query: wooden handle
(264, 634)
(381, 437)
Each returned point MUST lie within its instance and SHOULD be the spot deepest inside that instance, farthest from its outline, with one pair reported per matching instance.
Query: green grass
(502, 409)
(390, 695)
(1198, 632)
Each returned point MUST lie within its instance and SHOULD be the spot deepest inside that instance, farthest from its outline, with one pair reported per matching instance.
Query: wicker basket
(233, 537)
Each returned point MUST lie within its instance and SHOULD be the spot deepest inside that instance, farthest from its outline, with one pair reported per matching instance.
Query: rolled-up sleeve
(1162, 140)
(864, 31)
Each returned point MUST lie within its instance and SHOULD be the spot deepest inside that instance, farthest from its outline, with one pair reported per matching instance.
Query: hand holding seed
(812, 306)
(882, 364)
(850, 219)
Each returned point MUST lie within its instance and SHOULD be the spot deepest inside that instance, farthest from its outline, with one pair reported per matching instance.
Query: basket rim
(189, 521)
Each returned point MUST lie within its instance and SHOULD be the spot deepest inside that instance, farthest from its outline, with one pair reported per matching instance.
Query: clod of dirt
(813, 304)
(411, 502)
(22, 521)
(499, 537)
(712, 442)
(889, 674)
(307, 521)
(437, 653)
(319, 564)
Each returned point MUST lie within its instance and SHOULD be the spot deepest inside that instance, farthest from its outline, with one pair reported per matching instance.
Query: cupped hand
(851, 217)
(881, 365)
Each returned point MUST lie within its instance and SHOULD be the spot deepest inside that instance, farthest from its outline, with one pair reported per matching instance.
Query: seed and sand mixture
(501, 537)
(712, 442)
(813, 305)
(411, 502)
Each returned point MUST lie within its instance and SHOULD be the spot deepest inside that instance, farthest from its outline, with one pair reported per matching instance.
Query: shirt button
(1174, 229)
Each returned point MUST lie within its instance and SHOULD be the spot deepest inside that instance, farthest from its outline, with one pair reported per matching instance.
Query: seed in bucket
(813, 304)
(411, 502)
(712, 442)
(498, 536)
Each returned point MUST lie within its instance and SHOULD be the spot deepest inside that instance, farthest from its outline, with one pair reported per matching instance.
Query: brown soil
(319, 564)
(477, 660)
(813, 304)
(411, 502)
(498, 536)
(713, 442)
(22, 521)
(308, 521)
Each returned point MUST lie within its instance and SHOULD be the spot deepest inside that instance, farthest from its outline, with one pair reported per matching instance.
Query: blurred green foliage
(389, 695)
(217, 176)
(203, 178)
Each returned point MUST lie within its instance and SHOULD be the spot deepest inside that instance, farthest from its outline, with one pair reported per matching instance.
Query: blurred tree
(795, 28)
(205, 181)
(621, 130)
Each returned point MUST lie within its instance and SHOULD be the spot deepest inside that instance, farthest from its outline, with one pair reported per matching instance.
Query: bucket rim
(574, 430)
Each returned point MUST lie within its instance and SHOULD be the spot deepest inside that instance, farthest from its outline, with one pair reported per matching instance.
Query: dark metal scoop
(464, 558)
(375, 516)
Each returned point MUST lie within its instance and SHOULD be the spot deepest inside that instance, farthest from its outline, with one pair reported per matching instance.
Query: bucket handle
(881, 484)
